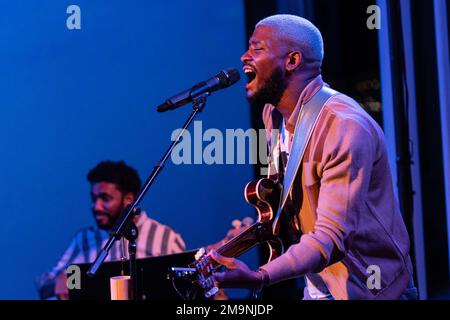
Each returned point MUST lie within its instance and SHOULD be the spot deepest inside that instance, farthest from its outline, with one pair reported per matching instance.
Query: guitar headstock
(205, 266)
(244, 235)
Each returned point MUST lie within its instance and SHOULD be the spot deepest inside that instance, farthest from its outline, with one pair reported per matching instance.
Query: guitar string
(230, 243)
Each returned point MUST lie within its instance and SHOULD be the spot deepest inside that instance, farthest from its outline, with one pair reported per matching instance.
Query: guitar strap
(306, 122)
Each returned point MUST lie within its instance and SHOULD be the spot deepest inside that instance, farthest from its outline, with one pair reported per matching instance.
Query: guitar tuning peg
(248, 221)
(236, 223)
(200, 253)
(211, 292)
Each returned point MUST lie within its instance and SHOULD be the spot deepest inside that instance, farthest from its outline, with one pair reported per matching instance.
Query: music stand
(152, 274)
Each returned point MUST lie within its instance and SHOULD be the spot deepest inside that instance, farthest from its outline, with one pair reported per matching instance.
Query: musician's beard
(106, 219)
(272, 91)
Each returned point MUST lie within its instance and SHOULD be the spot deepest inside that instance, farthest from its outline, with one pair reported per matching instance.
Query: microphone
(223, 79)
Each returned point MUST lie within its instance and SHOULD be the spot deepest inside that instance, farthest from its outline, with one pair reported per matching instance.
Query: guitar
(264, 194)
(238, 227)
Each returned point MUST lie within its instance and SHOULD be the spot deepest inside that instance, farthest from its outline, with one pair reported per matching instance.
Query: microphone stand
(128, 215)
(131, 234)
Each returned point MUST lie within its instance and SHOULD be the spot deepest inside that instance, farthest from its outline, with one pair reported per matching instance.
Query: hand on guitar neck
(238, 274)
(264, 195)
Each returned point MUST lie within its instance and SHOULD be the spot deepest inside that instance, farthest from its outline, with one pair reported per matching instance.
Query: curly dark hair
(118, 172)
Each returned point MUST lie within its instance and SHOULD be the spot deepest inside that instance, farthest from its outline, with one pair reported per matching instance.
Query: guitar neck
(244, 241)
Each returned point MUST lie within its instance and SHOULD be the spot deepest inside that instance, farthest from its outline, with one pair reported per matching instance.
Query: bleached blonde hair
(299, 33)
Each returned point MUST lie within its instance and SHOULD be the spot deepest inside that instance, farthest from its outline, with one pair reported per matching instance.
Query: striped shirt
(154, 239)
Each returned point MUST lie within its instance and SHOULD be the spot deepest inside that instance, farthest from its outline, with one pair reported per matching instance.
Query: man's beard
(112, 218)
(272, 91)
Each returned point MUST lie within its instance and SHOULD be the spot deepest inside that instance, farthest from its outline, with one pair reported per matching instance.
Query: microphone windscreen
(232, 76)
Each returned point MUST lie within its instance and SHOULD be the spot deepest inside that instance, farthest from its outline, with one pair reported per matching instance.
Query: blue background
(71, 98)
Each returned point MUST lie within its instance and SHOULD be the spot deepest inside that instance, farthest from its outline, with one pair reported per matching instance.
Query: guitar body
(264, 194)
